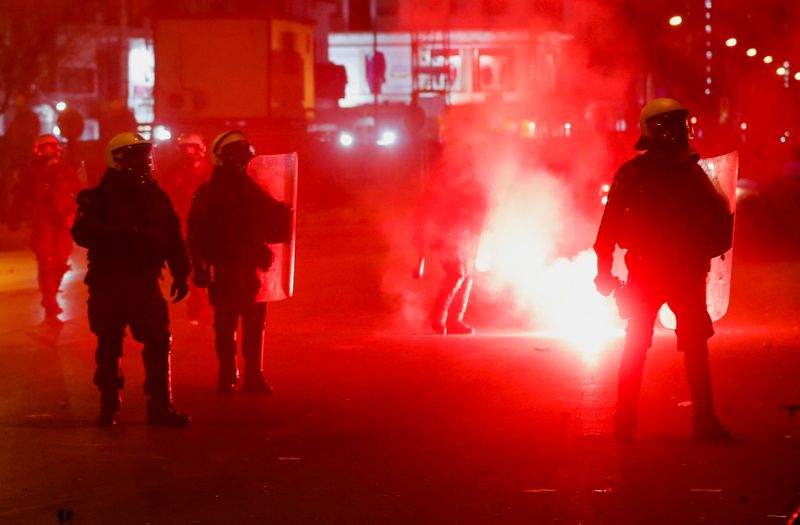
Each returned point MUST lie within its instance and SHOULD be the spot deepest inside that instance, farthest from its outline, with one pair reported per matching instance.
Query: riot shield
(723, 172)
(277, 175)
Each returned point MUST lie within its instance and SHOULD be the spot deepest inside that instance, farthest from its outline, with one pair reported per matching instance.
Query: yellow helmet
(222, 140)
(654, 108)
(657, 106)
(122, 142)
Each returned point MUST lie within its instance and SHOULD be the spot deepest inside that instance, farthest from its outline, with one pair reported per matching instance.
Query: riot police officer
(46, 194)
(131, 230)
(667, 213)
(231, 222)
(450, 220)
(189, 167)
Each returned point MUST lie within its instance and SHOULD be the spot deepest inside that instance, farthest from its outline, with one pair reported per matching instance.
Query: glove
(606, 283)
(178, 290)
(202, 276)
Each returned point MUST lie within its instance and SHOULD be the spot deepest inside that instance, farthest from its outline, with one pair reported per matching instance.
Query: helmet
(191, 149)
(231, 146)
(192, 139)
(47, 146)
(663, 120)
(125, 147)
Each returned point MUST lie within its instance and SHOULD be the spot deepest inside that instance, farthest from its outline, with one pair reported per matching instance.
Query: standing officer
(46, 193)
(188, 169)
(130, 228)
(667, 213)
(231, 222)
(450, 220)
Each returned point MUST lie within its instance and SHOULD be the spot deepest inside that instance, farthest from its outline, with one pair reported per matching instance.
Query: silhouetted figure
(231, 222)
(46, 195)
(23, 128)
(131, 230)
(667, 213)
(187, 168)
(450, 220)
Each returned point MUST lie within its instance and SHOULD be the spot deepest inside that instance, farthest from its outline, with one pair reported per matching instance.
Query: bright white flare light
(768, 59)
(61, 106)
(731, 42)
(557, 293)
(346, 139)
(676, 20)
(752, 52)
(387, 138)
(162, 133)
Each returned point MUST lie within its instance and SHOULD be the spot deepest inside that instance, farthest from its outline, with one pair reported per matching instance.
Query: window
(495, 70)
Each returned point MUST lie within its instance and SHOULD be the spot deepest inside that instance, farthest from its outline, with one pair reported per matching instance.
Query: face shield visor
(136, 162)
(670, 129)
(237, 154)
(48, 150)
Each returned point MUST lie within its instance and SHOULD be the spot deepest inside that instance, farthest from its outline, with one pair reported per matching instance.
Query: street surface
(375, 421)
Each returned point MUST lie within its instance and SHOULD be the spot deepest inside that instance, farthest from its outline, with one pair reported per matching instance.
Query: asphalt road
(374, 421)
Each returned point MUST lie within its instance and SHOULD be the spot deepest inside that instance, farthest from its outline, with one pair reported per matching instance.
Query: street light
(752, 52)
(768, 59)
(676, 20)
(731, 42)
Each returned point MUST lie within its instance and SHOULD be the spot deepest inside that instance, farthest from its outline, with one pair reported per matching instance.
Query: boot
(455, 320)
(705, 424)
(459, 327)
(163, 413)
(444, 298)
(709, 429)
(110, 405)
(46, 274)
(253, 349)
(225, 346)
(257, 385)
(158, 385)
(629, 386)
(227, 378)
(109, 380)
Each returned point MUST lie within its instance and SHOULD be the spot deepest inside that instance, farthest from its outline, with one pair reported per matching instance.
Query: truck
(256, 75)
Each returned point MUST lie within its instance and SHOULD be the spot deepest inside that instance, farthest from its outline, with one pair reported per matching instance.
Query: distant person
(131, 230)
(450, 220)
(667, 213)
(231, 222)
(45, 195)
(187, 169)
(20, 132)
(115, 118)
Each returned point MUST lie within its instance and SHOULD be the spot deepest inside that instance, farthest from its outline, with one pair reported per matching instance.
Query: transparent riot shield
(277, 175)
(723, 172)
